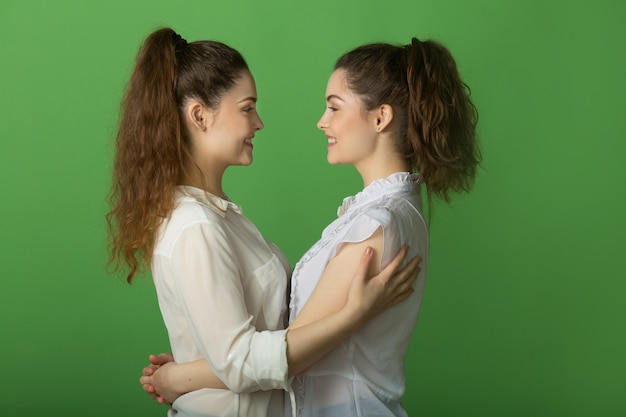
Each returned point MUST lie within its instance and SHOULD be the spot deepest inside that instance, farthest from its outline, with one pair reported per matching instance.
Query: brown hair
(434, 117)
(152, 144)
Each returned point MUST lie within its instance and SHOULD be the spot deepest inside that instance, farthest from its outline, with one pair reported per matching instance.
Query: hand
(148, 379)
(370, 296)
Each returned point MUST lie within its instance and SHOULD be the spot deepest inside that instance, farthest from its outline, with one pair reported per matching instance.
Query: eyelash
(248, 109)
(333, 109)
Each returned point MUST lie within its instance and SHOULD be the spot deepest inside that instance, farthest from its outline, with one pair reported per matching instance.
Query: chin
(243, 162)
(247, 159)
(333, 161)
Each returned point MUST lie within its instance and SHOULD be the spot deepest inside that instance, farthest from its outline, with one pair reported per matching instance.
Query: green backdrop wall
(525, 304)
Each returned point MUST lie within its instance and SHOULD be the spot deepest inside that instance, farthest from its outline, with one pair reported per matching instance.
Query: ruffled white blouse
(364, 376)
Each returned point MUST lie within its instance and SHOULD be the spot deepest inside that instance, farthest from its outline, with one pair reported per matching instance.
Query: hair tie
(179, 42)
(414, 42)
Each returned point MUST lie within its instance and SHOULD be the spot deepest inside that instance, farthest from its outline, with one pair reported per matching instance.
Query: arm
(172, 379)
(331, 291)
(203, 285)
(333, 312)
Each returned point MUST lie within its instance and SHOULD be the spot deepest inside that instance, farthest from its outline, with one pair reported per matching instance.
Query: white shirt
(364, 376)
(221, 290)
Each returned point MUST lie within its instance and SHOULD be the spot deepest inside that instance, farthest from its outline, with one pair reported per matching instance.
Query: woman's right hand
(153, 378)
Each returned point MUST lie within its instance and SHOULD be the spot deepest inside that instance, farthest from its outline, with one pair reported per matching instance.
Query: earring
(203, 127)
(378, 128)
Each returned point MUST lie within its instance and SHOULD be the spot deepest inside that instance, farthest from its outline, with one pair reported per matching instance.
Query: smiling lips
(331, 140)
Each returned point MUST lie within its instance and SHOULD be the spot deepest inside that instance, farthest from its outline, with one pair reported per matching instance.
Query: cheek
(341, 124)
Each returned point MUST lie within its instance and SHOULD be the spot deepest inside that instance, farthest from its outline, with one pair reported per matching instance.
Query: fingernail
(368, 251)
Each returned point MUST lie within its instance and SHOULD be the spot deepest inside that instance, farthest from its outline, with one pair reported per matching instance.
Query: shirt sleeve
(209, 288)
(367, 223)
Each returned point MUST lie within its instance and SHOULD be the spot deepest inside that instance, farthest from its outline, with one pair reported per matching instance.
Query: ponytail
(441, 120)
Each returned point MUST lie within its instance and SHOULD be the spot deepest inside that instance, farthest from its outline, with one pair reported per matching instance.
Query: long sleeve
(221, 291)
(210, 286)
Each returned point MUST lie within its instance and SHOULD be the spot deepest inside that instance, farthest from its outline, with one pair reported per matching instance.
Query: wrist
(176, 379)
(352, 316)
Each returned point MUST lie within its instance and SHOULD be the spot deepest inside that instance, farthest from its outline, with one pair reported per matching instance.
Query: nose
(322, 123)
(259, 123)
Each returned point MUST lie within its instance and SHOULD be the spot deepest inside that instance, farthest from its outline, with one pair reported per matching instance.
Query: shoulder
(189, 211)
(189, 218)
(385, 213)
(396, 211)
(401, 221)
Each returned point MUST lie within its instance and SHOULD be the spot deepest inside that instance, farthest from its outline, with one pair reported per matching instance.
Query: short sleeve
(364, 226)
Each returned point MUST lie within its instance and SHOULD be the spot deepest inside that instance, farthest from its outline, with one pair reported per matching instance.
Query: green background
(525, 303)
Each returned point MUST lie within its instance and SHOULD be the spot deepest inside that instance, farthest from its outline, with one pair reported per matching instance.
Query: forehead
(337, 82)
(337, 89)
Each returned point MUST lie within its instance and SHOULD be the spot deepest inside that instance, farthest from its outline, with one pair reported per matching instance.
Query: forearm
(307, 344)
(192, 376)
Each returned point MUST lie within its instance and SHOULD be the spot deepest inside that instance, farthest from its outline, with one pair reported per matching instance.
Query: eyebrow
(252, 99)
(333, 96)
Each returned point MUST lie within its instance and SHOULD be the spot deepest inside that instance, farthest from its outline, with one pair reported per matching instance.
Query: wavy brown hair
(434, 117)
(152, 144)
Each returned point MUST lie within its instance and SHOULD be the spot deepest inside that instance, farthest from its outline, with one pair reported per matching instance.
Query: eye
(332, 109)
(248, 109)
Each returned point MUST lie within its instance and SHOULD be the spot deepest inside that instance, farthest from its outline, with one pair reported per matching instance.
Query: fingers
(399, 258)
(395, 263)
(404, 279)
(160, 359)
(401, 297)
(412, 268)
(365, 263)
(151, 391)
(400, 284)
(409, 273)
(145, 380)
(149, 370)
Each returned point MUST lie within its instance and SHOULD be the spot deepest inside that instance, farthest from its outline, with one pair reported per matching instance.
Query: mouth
(331, 140)
(248, 141)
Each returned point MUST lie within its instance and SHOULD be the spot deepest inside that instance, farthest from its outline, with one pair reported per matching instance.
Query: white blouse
(221, 290)
(364, 376)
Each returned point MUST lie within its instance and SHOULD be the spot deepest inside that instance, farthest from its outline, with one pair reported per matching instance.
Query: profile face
(348, 127)
(234, 123)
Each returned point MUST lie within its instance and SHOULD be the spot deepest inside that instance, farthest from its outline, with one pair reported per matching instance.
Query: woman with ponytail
(402, 116)
(189, 112)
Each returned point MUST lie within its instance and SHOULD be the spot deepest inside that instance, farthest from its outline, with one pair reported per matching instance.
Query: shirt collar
(207, 199)
(380, 187)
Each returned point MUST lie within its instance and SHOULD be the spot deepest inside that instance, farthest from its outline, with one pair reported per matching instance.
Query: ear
(383, 116)
(197, 116)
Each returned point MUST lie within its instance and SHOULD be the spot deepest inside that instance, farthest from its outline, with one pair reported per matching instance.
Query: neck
(205, 179)
(378, 168)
